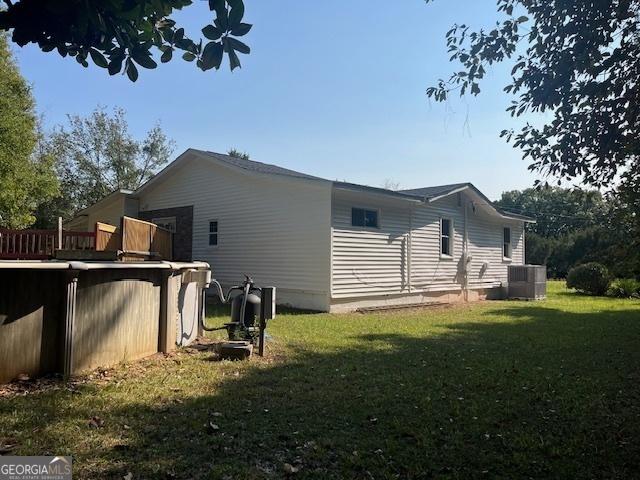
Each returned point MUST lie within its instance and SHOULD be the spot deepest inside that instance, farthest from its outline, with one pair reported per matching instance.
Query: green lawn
(493, 390)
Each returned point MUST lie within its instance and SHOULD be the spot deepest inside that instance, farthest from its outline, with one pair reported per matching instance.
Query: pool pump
(251, 308)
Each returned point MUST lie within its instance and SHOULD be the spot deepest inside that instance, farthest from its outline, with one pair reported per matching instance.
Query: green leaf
(98, 58)
(212, 55)
(166, 56)
(236, 13)
(234, 61)
(238, 45)
(178, 35)
(211, 32)
(144, 59)
(132, 71)
(184, 44)
(115, 65)
(222, 19)
(188, 56)
(241, 29)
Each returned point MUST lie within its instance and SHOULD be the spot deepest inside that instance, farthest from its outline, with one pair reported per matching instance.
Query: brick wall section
(183, 237)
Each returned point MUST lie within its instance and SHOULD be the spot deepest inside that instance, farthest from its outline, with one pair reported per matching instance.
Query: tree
(579, 62)
(558, 211)
(624, 221)
(97, 155)
(119, 34)
(390, 184)
(26, 176)
(238, 154)
(576, 226)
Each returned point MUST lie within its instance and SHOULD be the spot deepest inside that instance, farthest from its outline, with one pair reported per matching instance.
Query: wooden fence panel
(146, 239)
(162, 243)
(78, 240)
(108, 238)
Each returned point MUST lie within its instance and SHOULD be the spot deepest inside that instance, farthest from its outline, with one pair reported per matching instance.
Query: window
(213, 233)
(361, 217)
(446, 237)
(506, 242)
(168, 223)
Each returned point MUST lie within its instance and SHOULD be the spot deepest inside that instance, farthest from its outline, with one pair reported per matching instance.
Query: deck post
(60, 246)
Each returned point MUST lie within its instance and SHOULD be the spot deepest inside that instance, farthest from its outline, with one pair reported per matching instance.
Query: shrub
(592, 278)
(624, 288)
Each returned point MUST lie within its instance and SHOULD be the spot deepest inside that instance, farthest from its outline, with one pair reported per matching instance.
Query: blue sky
(332, 88)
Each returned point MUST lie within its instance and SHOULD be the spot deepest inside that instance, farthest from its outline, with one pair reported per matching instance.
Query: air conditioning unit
(527, 282)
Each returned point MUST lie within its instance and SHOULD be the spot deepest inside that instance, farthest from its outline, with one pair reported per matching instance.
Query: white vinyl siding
(274, 229)
(429, 269)
(404, 256)
(368, 261)
(485, 245)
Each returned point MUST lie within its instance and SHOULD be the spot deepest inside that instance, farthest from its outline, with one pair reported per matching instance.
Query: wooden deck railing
(136, 239)
(140, 238)
(108, 238)
(34, 244)
(78, 240)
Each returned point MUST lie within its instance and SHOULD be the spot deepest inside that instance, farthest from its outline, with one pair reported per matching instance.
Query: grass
(492, 390)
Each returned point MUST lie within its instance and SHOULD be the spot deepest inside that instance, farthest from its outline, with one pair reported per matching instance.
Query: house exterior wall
(110, 210)
(111, 213)
(274, 229)
(183, 236)
(400, 262)
(366, 261)
(430, 272)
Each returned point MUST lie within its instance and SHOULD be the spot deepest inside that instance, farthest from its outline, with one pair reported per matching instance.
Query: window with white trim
(506, 242)
(213, 233)
(446, 237)
(362, 217)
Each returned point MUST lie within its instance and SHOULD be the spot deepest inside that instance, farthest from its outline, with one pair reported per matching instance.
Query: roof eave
(354, 187)
(451, 192)
(500, 213)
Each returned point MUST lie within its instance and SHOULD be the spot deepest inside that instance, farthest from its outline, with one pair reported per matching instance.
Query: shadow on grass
(550, 395)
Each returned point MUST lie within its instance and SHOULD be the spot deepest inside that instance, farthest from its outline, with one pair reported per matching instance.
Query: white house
(326, 245)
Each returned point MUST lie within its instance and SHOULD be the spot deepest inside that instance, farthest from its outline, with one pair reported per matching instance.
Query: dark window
(213, 232)
(445, 236)
(506, 242)
(361, 217)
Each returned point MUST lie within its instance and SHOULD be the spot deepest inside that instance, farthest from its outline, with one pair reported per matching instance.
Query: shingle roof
(257, 167)
(430, 192)
(424, 193)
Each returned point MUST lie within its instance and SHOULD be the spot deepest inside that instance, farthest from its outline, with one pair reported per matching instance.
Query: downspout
(409, 244)
(465, 258)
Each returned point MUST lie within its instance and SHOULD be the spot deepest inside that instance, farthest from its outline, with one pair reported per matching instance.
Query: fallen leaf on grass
(128, 476)
(7, 445)
(96, 422)
(23, 377)
(212, 427)
(290, 469)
